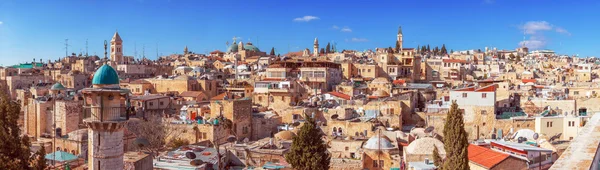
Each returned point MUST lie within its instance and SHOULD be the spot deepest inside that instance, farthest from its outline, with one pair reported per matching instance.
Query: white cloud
(357, 40)
(1, 22)
(562, 31)
(533, 27)
(335, 27)
(306, 18)
(346, 29)
(534, 42)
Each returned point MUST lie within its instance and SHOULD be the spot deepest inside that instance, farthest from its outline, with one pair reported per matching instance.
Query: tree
(451, 51)
(308, 151)
(14, 148)
(157, 131)
(511, 56)
(328, 48)
(272, 51)
(436, 51)
(443, 50)
(423, 49)
(428, 49)
(437, 159)
(41, 160)
(322, 51)
(398, 46)
(455, 140)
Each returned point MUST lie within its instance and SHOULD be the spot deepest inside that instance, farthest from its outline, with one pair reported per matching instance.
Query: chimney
(427, 161)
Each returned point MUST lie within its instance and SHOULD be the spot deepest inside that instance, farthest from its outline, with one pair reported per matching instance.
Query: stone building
(238, 110)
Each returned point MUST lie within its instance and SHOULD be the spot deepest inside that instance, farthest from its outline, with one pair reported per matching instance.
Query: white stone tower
(116, 49)
(105, 118)
(399, 37)
(316, 47)
(240, 47)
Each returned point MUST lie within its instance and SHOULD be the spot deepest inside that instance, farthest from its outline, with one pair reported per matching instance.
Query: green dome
(105, 75)
(232, 48)
(251, 47)
(57, 86)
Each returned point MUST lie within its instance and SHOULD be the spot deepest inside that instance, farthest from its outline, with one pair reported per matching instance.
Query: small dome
(381, 142)
(105, 75)
(425, 146)
(232, 48)
(285, 135)
(57, 86)
(251, 47)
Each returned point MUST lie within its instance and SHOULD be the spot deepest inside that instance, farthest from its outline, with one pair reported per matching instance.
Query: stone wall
(105, 149)
(345, 164)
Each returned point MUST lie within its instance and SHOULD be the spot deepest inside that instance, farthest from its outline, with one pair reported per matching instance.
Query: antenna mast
(86, 47)
(66, 47)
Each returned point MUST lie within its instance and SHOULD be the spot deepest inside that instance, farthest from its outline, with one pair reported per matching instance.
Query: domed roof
(285, 135)
(105, 75)
(232, 48)
(380, 80)
(425, 146)
(251, 47)
(380, 93)
(420, 132)
(57, 86)
(381, 142)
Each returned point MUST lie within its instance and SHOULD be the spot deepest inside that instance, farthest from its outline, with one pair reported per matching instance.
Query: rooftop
(485, 157)
(583, 149)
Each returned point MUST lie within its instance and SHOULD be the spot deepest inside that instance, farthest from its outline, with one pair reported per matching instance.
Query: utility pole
(86, 47)
(66, 47)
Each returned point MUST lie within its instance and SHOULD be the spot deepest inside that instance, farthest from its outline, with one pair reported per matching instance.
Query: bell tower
(399, 37)
(116, 49)
(316, 47)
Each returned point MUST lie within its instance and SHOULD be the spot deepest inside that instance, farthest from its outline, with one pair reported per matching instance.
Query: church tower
(399, 38)
(116, 49)
(240, 47)
(105, 116)
(316, 47)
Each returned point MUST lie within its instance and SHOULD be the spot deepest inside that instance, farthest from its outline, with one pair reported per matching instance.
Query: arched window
(355, 133)
(340, 131)
(73, 152)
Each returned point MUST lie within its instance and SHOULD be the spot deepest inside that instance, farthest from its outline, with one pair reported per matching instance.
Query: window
(347, 148)
(484, 95)
(319, 74)
(374, 163)
(381, 163)
(484, 112)
(464, 95)
(576, 92)
(151, 103)
(260, 98)
(369, 70)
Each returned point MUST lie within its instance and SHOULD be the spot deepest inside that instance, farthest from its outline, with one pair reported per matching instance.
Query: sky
(38, 28)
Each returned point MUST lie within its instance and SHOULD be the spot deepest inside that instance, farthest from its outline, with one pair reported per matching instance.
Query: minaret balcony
(105, 114)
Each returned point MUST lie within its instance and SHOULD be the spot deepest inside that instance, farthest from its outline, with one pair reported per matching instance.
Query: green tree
(451, 51)
(322, 51)
(455, 140)
(308, 150)
(14, 148)
(437, 159)
(328, 48)
(398, 47)
(428, 49)
(272, 51)
(443, 50)
(423, 49)
(41, 160)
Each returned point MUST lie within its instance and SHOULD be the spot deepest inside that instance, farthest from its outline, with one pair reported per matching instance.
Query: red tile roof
(453, 61)
(485, 157)
(528, 80)
(190, 94)
(340, 95)
(398, 82)
(489, 88)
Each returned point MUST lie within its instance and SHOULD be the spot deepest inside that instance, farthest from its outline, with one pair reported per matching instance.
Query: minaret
(116, 49)
(105, 118)
(316, 47)
(399, 37)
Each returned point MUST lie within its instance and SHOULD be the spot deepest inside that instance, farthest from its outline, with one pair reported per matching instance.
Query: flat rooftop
(583, 149)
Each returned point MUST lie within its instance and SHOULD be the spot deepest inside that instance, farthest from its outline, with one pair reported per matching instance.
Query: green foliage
(308, 151)
(443, 50)
(455, 140)
(398, 47)
(14, 148)
(428, 49)
(328, 48)
(437, 159)
(322, 51)
(178, 142)
(272, 51)
(41, 160)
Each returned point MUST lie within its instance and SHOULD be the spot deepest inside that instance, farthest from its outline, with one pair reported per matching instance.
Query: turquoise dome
(57, 86)
(251, 47)
(232, 48)
(105, 75)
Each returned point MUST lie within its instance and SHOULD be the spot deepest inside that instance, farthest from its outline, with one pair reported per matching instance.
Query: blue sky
(37, 29)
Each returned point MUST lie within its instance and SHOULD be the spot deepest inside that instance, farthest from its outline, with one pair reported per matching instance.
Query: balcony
(105, 114)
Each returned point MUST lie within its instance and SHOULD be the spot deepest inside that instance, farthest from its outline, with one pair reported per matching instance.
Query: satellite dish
(231, 139)
(335, 116)
(536, 136)
(141, 142)
(429, 129)
(190, 155)
(196, 162)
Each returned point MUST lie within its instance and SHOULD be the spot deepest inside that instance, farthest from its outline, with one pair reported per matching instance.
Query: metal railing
(95, 113)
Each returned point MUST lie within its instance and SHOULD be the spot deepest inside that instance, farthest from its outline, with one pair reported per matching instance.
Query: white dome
(425, 146)
(376, 142)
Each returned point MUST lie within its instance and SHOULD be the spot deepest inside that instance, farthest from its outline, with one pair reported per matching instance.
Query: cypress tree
(437, 159)
(14, 149)
(398, 47)
(41, 160)
(455, 140)
(443, 50)
(322, 51)
(328, 49)
(272, 51)
(428, 49)
(308, 150)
